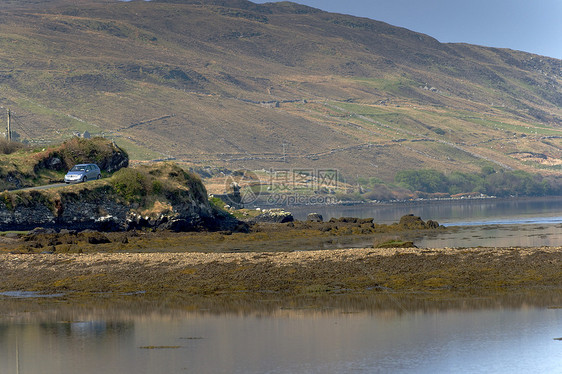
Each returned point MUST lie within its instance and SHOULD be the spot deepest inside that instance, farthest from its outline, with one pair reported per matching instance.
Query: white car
(82, 173)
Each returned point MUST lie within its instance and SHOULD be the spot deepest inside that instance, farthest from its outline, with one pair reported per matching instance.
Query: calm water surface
(385, 334)
(381, 333)
(456, 212)
(487, 222)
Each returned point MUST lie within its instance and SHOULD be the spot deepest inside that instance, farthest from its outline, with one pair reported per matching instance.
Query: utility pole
(8, 128)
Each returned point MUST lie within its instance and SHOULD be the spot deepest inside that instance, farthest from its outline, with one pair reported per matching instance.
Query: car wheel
(99, 176)
(85, 179)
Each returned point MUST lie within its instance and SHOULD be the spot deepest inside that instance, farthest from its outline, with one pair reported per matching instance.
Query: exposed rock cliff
(159, 196)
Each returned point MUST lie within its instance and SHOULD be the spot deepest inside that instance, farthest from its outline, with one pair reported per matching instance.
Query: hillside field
(275, 86)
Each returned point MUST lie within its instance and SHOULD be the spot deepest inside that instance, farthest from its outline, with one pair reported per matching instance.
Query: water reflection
(447, 212)
(454, 237)
(486, 223)
(356, 333)
(493, 236)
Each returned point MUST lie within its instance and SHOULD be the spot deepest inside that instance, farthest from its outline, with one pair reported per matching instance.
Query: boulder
(42, 230)
(412, 222)
(273, 216)
(96, 238)
(314, 217)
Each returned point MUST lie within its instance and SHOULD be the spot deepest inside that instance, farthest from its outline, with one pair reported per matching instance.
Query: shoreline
(300, 211)
(298, 273)
(420, 201)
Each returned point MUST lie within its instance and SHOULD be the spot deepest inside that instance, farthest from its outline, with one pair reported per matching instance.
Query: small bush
(7, 147)
(131, 184)
(82, 151)
(145, 184)
(156, 187)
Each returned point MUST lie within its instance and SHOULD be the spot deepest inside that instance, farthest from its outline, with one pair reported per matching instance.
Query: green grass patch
(136, 151)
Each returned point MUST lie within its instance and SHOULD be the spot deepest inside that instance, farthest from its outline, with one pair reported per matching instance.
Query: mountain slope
(237, 84)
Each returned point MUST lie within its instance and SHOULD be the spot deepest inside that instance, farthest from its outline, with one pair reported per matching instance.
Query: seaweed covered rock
(353, 220)
(273, 216)
(395, 244)
(412, 222)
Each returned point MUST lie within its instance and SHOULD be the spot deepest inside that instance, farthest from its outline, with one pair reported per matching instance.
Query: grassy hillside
(241, 85)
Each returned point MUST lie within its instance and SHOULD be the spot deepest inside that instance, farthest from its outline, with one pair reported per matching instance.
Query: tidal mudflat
(367, 270)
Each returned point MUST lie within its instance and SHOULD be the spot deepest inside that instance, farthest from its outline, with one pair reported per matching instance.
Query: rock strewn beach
(473, 270)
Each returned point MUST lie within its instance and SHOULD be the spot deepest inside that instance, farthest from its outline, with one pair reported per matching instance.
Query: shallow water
(455, 212)
(486, 223)
(28, 294)
(370, 334)
(549, 235)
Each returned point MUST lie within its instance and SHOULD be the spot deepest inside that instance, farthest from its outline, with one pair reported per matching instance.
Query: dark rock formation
(181, 205)
(412, 222)
(106, 214)
(351, 220)
(273, 216)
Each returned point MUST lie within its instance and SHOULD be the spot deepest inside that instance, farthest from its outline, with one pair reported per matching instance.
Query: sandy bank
(328, 271)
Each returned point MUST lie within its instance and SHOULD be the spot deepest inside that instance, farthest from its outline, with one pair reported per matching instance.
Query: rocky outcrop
(354, 220)
(175, 200)
(106, 154)
(273, 216)
(28, 210)
(314, 217)
(416, 223)
(106, 214)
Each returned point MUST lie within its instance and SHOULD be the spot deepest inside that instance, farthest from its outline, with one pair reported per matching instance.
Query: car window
(78, 168)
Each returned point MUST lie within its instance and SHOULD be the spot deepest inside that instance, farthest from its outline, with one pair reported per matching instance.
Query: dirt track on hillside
(292, 273)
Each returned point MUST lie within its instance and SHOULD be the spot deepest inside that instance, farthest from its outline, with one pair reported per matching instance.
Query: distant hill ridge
(276, 85)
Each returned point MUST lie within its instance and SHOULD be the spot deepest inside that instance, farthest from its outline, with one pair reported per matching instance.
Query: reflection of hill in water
(449, 212)
(120, 318)
(325, 334)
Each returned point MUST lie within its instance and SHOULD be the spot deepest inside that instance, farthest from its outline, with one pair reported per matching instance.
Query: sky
(530, 26)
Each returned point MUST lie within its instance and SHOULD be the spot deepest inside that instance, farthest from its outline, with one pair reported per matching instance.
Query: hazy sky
(531, 26)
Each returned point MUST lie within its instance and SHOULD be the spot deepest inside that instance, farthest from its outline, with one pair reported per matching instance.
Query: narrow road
(46, 187)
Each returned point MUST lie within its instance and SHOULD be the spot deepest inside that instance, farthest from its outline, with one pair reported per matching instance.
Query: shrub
(81, 151)
(7, 147)
(131, 184)
(425, 180)
(145, 183)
